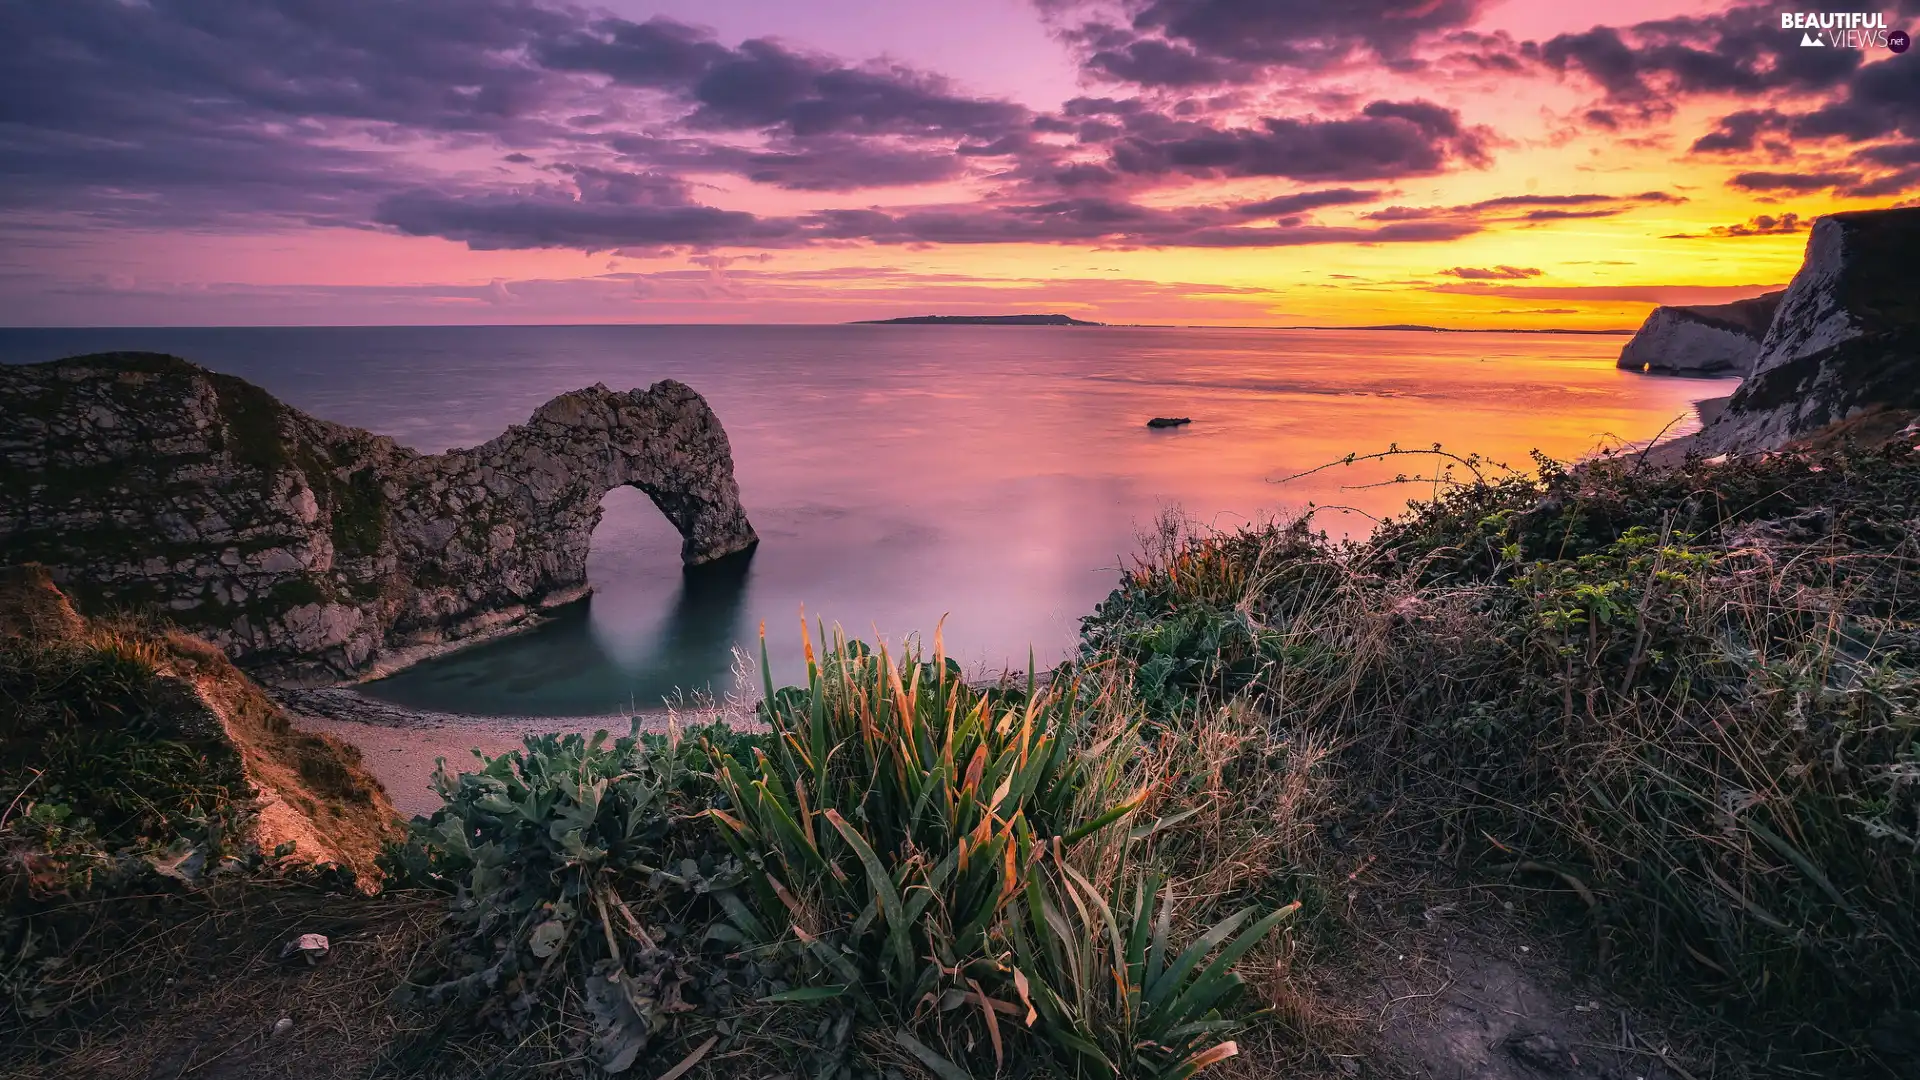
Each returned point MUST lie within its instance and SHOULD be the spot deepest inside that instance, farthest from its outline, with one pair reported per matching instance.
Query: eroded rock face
(1704, 339)
(314, 801)
(312, 551)
(1846, 339)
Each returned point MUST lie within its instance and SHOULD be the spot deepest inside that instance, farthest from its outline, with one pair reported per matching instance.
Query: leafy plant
(549, 850)
(886, 809)
(912, 840)
(1108, 986)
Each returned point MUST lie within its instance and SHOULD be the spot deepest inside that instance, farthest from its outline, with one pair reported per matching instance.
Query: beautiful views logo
(1844, 30)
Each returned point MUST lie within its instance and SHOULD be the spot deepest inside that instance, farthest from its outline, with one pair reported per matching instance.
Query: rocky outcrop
(310, 551)
(1704, 339)
(1846, 338)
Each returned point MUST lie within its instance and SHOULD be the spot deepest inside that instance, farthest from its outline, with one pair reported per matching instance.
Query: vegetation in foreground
(1682, 701)
(1687, 697)
(903, 872)
(147, 789)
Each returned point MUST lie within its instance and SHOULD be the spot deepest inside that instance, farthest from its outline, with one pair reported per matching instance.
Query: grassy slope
(1687, 697)
(125, 737)
(162, 824)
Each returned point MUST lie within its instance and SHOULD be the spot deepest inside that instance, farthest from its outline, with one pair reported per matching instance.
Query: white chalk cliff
(1845, 340)
(1703, 339)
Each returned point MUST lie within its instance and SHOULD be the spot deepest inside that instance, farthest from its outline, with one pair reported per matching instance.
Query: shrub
(1188, 622)
(560, 856)
(920, 844)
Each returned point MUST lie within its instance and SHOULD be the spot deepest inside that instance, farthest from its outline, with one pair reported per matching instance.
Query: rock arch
(518, 513)
(313, 551)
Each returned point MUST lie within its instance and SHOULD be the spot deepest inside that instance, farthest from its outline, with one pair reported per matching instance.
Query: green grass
(103, 757)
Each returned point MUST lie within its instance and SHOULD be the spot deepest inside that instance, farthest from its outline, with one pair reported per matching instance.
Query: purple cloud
(1497, 208)
(596, 132)
(1187, 43)
(1762, 225)
(1738, 51)
(1301, 201)
(552, 219)
(1784, 181)
(764, 86)
(488, 222)
(1736, 132)
(1386, 140)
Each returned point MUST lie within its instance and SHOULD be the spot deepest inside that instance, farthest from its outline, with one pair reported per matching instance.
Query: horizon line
(1397, 328)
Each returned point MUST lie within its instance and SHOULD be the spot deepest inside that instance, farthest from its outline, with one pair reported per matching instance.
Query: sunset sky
(1249, 162)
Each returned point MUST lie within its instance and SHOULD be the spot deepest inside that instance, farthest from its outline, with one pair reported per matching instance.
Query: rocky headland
(313, 552)
(1840, 345)
(1845, 340)
(1702, 339)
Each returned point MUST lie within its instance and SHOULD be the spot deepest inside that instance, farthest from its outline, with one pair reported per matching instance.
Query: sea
(992, 481)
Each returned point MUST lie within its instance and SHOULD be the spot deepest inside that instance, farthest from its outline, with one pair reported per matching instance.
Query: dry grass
(191, 984)
(1251, 808)
(311, 791)
(1683, 702)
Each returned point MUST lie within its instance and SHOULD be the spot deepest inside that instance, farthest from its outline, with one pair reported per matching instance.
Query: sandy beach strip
(400, 745)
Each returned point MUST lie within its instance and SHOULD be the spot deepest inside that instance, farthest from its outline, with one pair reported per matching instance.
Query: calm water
(995, 475)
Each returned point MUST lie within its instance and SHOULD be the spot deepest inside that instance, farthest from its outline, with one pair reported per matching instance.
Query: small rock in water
(312, 946)
(1169, 421)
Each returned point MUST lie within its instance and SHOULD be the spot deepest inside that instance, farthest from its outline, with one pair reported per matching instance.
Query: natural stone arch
(520, 510)
(311, 550)
(546, 478)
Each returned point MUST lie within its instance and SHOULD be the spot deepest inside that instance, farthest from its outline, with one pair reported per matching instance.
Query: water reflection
(566, 666)
(697, 648)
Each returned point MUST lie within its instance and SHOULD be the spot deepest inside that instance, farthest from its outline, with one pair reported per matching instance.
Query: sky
(1468, 163)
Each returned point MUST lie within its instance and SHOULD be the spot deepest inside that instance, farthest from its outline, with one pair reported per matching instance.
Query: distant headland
(979, 320)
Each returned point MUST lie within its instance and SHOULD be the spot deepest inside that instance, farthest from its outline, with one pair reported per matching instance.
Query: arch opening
(664, 630)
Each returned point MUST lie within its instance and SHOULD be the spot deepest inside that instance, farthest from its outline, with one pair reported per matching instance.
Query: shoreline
(401, 747)
(487, 627)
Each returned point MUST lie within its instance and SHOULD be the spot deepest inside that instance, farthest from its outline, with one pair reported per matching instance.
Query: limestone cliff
(1846, 338)
(1704, 339)
(311, 551)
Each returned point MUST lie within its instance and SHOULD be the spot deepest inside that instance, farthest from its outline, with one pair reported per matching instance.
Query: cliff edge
(1845, 340)
(1703, 339)
(310, 551)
